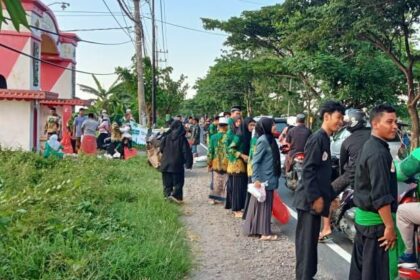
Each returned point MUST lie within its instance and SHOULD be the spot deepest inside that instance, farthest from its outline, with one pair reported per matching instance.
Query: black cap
(235, 108)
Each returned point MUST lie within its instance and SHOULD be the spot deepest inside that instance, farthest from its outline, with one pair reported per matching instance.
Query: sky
(190, 53)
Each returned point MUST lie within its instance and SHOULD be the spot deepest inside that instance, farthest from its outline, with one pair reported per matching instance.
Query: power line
(123, 10)
(128, 34)
(92, 13)
(97, 29)
(71, 37)
(53, 64)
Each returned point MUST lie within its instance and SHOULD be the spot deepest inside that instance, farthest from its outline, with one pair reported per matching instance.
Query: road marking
(202, 145)
(333, 246)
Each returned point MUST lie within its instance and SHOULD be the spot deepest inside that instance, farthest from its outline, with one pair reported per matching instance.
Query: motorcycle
(294, 177)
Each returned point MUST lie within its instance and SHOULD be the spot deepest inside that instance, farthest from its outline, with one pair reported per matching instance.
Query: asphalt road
(333, 256)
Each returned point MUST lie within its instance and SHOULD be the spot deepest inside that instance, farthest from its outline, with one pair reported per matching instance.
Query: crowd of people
(89, 135)
(243, 151)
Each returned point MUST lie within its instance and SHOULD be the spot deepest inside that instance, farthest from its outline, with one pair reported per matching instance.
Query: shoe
(173, 199)
(324, 238)
(407, 261)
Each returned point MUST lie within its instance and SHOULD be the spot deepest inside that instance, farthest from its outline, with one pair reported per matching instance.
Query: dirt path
(221, 250)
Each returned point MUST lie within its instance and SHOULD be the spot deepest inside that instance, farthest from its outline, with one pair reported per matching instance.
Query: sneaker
(407, 261)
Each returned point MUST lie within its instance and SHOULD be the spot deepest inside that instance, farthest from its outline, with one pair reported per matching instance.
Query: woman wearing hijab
(176, 153)
(265, 168)
(249, 147)
(53, 147)
(237, 180)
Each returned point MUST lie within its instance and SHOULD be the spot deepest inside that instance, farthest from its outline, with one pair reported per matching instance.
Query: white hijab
(53, 142)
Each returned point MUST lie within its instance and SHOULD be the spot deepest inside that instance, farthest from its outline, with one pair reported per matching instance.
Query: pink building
(29, 85)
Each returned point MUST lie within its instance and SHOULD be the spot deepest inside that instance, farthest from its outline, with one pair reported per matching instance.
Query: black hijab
(246, 135)
(176, 129)
(265, 125)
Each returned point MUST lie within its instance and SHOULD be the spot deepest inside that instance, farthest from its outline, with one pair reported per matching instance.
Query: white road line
(333, 246)
(202, 145)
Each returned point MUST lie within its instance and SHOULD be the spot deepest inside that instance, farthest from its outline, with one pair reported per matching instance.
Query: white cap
(128, 111)
(223, 120)
(222, 114)
(103, 111)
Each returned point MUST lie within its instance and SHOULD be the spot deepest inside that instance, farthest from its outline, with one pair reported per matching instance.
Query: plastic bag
(259, 194)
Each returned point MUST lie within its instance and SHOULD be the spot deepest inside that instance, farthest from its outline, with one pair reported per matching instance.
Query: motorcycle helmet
(354, 118)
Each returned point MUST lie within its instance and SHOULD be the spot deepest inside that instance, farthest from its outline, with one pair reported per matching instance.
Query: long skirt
(236, 191)
(219, 186)
(100, 142)
(173, 184)
(258, 217)
(88, 146)
(248, 197)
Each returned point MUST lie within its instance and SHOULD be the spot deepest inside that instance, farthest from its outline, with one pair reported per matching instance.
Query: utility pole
(139, 64)
(154, 84)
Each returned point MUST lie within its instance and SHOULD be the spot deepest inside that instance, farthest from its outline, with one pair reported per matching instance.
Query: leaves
(16, 12)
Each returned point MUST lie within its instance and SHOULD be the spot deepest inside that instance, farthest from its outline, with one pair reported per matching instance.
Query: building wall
(16, 124)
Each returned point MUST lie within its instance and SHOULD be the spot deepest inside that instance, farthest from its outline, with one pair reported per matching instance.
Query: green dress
(216, 155)
(51, 152)
(251, 155)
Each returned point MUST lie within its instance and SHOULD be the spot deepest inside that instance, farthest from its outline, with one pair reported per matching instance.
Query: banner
(139, 134)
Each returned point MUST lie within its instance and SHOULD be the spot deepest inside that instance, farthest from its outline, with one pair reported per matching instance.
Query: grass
(87, 218)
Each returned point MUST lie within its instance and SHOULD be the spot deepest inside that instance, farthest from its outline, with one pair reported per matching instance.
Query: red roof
(17, 94)
(71, 102)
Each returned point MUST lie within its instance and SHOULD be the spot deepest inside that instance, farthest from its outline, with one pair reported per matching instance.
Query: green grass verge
(87, 219)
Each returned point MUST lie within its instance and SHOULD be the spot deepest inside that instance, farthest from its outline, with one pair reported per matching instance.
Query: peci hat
(223, 120)
(235, 108)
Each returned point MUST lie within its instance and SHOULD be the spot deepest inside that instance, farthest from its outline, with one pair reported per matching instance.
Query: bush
(87, 218)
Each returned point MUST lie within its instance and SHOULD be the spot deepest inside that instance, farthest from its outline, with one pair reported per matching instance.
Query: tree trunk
(412, 110)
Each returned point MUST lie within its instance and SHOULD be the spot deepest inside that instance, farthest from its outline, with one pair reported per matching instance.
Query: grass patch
(87, 219)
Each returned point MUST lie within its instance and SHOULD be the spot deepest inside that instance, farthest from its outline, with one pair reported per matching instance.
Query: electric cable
(53, 64)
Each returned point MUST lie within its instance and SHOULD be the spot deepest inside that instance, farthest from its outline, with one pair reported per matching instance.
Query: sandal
(324, 238)
(238, 214)
(272, 237)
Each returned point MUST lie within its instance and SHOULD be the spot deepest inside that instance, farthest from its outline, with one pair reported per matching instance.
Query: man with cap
(217, 162)
(236, 112)
(296, 139)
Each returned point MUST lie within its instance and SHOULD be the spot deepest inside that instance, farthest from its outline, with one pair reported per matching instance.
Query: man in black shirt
(296, 138)
(375, 195)
(313, 195)
(349, 154)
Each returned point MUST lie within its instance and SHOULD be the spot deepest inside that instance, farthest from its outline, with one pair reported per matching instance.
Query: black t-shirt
(350, 151)
(316, 174)
(297, 137)
(375, 181)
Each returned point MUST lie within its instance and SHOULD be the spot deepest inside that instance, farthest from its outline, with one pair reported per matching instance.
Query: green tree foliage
(309, 43)
(16, 13)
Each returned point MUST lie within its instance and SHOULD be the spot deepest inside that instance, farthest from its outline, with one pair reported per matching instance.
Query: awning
(17, 94)
(62, 102)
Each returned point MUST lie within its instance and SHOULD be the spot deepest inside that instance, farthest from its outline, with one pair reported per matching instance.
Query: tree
(102, 95)
(16, 13)
(389, 26)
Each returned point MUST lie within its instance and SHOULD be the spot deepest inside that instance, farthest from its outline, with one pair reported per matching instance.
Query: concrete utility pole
(154, 84)
(139, 64)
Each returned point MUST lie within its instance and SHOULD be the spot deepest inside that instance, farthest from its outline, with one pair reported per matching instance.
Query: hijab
(53, 142)
(176, 129)
(246, 134)
(264, 126)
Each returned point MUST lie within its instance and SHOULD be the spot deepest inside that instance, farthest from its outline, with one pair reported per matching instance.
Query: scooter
(294, 177)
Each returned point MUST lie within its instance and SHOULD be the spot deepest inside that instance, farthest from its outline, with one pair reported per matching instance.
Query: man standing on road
(195, 136)
(375, 195)
(77, 127)
(313, 195)
(296, 138)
